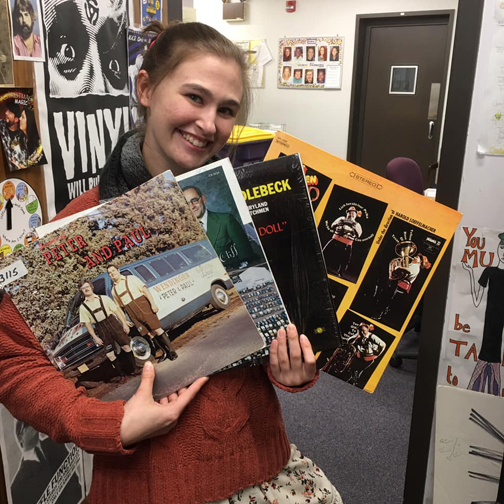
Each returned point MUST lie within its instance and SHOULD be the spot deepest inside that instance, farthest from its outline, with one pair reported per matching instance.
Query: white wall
(317, 116)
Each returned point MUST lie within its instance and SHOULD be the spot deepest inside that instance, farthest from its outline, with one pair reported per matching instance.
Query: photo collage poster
(472, 355)
(38, 470)
(382, 244)
(82, 93)
(215, 197)
(131, 281)
(310, 63)
(19, 131)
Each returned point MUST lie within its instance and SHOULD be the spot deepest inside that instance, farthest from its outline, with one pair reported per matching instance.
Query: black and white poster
(37, 469)
(83, 92)
(138, 43)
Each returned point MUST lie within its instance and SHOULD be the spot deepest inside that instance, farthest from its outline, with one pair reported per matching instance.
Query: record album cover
(381, 243)
(135, 279)
(277, 197)
(215, 197)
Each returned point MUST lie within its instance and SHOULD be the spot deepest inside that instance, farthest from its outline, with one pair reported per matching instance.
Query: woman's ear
(144, 90)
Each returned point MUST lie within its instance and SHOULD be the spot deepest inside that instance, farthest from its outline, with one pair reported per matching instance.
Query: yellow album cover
(381, 243)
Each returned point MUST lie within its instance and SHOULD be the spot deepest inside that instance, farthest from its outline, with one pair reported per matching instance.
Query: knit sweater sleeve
(292, 390)
(35, 392)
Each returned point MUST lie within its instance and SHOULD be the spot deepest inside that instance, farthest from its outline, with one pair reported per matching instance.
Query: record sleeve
(381, 243)
(215, 197)
(132, 280)
(277, 197)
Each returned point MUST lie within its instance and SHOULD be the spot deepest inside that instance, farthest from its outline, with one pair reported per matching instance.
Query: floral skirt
(299, 482)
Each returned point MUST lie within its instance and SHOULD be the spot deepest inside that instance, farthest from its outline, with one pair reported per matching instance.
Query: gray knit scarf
(125, 168)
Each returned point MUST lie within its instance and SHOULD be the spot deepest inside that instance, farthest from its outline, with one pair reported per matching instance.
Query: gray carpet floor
(360, 440)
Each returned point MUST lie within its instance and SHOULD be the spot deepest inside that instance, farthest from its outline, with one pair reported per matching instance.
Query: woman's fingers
(283, 353)
(310, 362)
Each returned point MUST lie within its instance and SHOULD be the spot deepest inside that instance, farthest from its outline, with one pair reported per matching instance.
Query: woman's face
(322, 51)
(190, 113)
(309, 77)
(287, 52)
(311, 53)
(23, 122)
(334, 52)
(286, 73)
(297, 74)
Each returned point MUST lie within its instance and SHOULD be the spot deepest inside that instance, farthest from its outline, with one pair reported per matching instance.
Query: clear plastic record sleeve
(277, 197)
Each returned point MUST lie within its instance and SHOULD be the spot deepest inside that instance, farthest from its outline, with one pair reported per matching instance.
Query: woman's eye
(195, 98)
(227, 111)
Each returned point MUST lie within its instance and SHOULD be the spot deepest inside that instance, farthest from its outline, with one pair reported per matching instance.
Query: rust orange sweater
(230, 437)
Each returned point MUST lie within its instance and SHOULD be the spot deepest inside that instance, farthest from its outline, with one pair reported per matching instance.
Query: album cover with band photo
(131, 281)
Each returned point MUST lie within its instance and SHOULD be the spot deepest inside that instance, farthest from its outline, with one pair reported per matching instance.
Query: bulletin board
(310, 63)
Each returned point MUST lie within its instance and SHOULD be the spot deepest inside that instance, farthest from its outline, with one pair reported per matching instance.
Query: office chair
(407, 173)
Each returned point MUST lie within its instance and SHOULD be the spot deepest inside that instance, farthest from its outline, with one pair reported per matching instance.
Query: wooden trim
(463, 70)
(364, 24)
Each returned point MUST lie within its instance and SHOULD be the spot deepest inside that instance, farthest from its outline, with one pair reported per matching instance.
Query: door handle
(431, 130)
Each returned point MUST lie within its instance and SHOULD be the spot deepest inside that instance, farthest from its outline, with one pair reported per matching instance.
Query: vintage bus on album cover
(133, 280)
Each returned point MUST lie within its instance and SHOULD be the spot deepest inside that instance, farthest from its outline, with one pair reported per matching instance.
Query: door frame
(364, 24)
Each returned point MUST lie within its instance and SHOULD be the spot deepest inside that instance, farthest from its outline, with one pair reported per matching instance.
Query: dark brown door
(402, 87)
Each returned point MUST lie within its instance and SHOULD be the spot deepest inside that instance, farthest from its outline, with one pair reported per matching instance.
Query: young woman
(221, 435)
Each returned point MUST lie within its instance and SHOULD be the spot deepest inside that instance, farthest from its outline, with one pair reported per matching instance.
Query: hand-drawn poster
(37, 469)
(82, 92)
(310, 63)
(6, 76)
(20, 215)
(473, 352)
(491, 140)
(382, 244)
(469, 446)
(27, 43)
(138, 43)
(18, 129)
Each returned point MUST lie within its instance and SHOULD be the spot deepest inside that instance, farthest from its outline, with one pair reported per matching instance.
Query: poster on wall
(82, 92)
(472, 353)
(20, 215)
(257, 56)
(27, 40)
(491, 139)
(382, 244)
(151, 11)
(37, 469)
(468, 446)
(138, 43)
(6, 76)
(310, 63)
(18, 129)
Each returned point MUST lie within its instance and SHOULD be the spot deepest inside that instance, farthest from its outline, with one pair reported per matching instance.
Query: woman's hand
(294, 366)
(145, 418)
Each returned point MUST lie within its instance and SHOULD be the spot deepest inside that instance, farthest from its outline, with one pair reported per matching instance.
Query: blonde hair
(176, 42)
